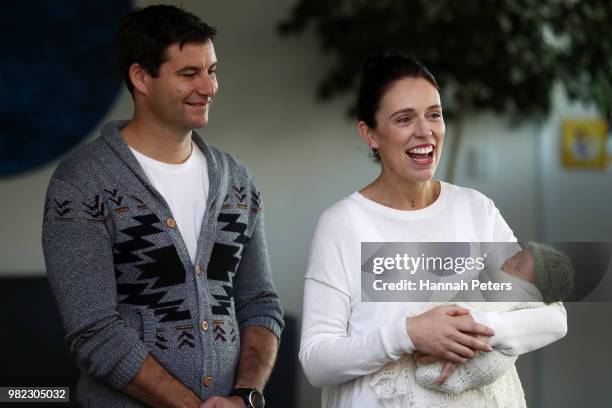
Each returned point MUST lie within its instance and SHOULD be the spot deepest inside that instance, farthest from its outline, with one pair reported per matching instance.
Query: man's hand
(223, 402)
(447, 332)
(258, 347)
(155, 386)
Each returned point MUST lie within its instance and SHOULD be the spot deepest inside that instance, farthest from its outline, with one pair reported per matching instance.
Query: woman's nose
(423, 129)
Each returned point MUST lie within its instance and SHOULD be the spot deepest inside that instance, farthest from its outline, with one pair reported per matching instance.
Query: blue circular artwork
(58, 78)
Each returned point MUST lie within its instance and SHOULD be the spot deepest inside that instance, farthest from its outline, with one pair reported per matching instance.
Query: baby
(538, 273)
(549, 270)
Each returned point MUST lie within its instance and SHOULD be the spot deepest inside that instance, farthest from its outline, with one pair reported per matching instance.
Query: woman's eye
(189, 74)
(403, 119)
(436, 115)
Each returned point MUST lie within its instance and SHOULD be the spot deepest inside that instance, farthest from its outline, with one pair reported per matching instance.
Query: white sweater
(344, 340)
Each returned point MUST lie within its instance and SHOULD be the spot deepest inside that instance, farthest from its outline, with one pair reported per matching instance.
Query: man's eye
(212, 72)
(436, 115)
(403, 119)
(189, 74)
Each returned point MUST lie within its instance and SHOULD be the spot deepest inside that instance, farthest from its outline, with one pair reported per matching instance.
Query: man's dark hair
(378, 74)
(145, 34)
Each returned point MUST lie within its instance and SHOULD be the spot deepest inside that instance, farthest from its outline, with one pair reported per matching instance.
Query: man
(154, 241)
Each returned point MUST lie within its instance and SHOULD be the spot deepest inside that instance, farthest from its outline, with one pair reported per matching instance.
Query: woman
(344, 341)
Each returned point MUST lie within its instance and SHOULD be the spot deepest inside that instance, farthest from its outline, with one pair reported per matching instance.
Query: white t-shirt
(344, 340)
(185, 188)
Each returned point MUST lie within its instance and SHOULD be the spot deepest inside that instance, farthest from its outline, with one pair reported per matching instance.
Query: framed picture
(585, 144)
(610, 144)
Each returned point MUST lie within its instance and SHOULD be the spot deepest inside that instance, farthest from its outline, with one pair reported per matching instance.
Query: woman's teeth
(422, 154)
(421, 150)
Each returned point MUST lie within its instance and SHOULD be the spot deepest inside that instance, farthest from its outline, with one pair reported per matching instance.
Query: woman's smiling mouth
(421, 154)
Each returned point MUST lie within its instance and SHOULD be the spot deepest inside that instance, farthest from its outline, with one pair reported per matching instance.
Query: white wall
(577, 204)
(307, 155)
(498, 158)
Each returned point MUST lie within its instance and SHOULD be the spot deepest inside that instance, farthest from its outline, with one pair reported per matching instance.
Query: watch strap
(246, 395)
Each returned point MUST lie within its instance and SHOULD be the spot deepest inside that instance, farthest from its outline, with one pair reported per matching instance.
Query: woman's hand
(447, 370)
(447, 332)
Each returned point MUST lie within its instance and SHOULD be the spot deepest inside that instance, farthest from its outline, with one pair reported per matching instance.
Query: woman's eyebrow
(412, 110)
(405, 110)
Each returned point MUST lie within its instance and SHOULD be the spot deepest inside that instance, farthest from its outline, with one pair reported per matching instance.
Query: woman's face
(410, 130)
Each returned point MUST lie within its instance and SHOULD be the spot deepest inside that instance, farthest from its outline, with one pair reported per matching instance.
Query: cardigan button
(204, 325)
(207, 381)
(170, 222)
(198, 269)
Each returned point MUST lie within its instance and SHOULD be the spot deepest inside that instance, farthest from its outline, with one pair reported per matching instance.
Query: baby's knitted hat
(554, 272)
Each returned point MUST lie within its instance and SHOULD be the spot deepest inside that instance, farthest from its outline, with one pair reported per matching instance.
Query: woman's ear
(367, 134)
(139, 77)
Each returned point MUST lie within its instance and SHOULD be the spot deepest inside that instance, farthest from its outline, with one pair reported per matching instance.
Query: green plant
(584, 39)
(486, 55)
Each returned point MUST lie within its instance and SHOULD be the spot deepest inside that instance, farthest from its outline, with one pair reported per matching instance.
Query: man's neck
(157, 142)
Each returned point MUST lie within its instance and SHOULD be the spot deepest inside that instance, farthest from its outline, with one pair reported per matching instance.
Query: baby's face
(521, 266)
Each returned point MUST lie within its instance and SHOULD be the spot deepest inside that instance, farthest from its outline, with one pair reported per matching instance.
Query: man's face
(181, 95)
(521, 266)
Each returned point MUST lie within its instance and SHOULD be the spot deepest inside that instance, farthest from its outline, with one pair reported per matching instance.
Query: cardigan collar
(111, 133)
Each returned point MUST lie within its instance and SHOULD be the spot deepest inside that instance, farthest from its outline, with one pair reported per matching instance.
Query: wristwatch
(251, 396)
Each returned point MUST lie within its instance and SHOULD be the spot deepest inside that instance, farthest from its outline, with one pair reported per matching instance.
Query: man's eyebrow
(195, 68)
(189, 68)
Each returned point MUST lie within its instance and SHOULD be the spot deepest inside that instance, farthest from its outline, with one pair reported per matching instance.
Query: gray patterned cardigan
(124, 282)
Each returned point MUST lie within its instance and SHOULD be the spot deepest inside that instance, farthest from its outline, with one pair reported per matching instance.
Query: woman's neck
(402, 194)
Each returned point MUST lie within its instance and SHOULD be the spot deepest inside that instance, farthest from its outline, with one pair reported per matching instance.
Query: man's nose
(207, 86)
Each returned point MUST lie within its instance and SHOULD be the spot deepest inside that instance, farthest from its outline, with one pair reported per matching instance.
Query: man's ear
(140, 78)
(367, 134)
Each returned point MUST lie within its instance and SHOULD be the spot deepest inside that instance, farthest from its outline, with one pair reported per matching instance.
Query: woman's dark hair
(378, 74)
(145, 34)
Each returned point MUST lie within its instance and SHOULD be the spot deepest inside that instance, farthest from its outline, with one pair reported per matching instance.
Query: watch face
(256, 399)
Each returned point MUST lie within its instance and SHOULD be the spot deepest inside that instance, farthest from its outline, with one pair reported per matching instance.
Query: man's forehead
(200, 53)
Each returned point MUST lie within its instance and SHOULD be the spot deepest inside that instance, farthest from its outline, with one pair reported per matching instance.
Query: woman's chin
(420, 175)
(409, 171)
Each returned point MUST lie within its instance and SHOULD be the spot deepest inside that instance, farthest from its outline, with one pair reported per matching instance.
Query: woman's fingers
(466, 324)
(461, 350)
(454, 310)
(427, 359)
(447, 370)
(472, 342)
(445, 332)
(454, 357)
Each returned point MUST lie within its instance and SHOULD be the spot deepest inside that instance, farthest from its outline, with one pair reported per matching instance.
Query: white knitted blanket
(488, 380)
